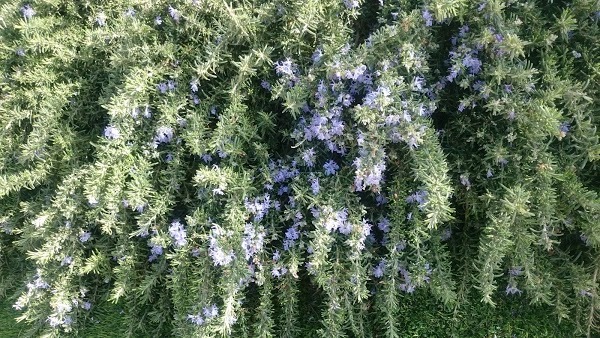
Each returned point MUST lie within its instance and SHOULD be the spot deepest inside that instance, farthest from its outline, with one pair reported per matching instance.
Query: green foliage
(300, 168)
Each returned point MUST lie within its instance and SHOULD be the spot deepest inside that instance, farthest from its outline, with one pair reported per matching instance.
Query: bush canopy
(297, 168)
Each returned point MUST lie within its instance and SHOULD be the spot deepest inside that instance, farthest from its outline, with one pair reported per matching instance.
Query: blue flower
(158, 21)
(351, 4)
(515, 271)
(196, 319)
(210, 312)
(266, 85)
(331, 167)
(27, 12)
(162, 87)
(428, 18)
(194, 86)
(164, 134)
(285, 67)
(276, 255)
(111, 133)
(419, 197)
(171, 84)
(379, 269)
(308, 156)
(472, 63)
(130, 12)
(317, 55)
(178, 233)
(512, 289)
(253, 240)
(101, 19)
(85, 236)
(314, 185)
(384, 224)
(206, 158)
(174, 14)
(67, 260)
(291, 235)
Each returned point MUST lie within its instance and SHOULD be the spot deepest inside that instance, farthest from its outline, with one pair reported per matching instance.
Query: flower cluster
(220, 256)
(208, 313)
(178, 233)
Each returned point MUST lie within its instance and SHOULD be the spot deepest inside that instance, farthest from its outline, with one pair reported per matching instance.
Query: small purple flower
(85, 236)
(206, 158)
(147, 113)
(174, 14)
(178, 233)
(292, 234)
(418, 83)
(196, 319)
(351, 4)
(379, 269)
(86, 305)
(20, 51)
(308, 156)
(446, 234)
(512, 289)
(381, 199)
(464, 180)
(66, 261)
(331, 167)
(472, 63)
(164, 134)
(111, 133)
(428, 18)
(210, 312)
(162, 87)
(101, 19)
(276, 255)
(481, 6)
(314, 185)
(27, 12)
(130, 12)
(564, 128)
(489, 173)
(508, 88)
(384, 225)
(515, 271)
(158, 21)
(419, 197)
(171, 84)
(317, 55)
(194, 86)
(285, 67)
(266, 85)
(277, 272)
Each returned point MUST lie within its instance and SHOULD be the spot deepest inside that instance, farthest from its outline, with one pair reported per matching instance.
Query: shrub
(294, 168)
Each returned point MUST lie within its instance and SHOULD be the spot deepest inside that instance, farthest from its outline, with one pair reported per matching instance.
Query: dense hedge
(297, 168)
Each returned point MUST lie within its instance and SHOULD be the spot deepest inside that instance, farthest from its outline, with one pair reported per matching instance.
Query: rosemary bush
(297, 167)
